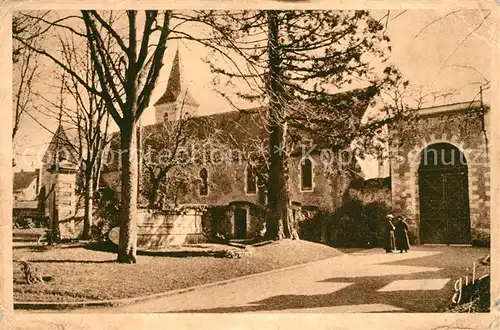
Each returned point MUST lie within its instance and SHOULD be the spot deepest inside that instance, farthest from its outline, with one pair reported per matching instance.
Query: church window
(204, 182)
(251, 180)
(306, 174)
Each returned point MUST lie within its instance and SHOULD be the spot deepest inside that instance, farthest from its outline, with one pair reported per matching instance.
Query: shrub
(310, 228)
(23, 221)
(258, 227)
(475, 298)
(42, 221)
(480, 238)
(372, 226)
(107, 214)
(99, 231)
(215, 222)
(352, 225)
(52, 236)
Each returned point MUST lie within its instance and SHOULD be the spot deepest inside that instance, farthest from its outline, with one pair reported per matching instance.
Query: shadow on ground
(364, 290)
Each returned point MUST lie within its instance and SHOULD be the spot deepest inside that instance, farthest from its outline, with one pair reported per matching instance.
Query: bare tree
(85, 121)
(26, 65)
(175, 145)
(126, 75)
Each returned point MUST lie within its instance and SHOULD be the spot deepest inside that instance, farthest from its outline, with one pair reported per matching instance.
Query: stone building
(231, 185)
(26, 185)
(441, 175)
(58, 176)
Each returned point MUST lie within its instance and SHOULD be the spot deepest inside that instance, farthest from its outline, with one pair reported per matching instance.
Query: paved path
(331, 285)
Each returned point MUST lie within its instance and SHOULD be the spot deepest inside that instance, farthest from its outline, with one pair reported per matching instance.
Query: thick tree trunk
(278, 223)
(277, 190)
(127, 248)
(89, 189)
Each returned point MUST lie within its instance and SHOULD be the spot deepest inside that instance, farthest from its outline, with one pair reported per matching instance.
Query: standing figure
(389, 242)
(402, 241)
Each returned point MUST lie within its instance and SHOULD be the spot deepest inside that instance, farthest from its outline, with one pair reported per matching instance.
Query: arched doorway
(444, 195)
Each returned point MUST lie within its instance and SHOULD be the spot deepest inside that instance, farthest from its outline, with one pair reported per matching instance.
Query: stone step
(27, 235)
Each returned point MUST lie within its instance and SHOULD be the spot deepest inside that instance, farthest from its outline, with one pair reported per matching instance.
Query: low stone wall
(168, 228)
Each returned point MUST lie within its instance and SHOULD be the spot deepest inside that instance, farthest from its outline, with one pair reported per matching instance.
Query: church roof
(176, 89)
(243, 130)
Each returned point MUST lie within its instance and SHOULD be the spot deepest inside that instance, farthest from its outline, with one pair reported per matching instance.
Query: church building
(439, 175)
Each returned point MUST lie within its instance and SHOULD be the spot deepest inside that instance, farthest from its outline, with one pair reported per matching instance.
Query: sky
(440, 52)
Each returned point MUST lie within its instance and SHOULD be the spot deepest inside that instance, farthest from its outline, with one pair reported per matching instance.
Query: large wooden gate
(444, 201)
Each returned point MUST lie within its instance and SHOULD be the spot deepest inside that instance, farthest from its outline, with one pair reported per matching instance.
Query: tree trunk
(153, 194)
(127, 248)
(89, 189)
(278, 224)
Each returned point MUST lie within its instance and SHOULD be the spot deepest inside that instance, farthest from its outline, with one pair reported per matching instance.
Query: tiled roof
(22, 180)
(244, 129)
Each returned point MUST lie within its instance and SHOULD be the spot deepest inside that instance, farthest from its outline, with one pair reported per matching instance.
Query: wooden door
(240, 223)
(443, 191)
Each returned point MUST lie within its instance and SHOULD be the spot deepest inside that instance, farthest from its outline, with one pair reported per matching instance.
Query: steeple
(177, 91)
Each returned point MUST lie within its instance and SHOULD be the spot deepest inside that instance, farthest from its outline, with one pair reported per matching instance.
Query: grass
(81, 274)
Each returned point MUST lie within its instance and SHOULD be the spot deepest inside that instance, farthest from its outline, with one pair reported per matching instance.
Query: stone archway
(443, 195)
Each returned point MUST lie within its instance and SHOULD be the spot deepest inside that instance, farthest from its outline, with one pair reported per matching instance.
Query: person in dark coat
(389, 242)
(401, 231)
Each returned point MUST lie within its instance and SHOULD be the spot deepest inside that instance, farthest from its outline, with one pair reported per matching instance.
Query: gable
(23, 180)
(63, 141)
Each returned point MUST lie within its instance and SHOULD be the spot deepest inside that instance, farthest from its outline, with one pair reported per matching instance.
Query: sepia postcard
(268, 164)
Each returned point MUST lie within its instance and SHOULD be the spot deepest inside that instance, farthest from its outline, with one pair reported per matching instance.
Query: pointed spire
(176, 85)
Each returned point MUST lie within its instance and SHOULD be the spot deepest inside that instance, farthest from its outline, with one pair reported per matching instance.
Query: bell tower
(177, 102)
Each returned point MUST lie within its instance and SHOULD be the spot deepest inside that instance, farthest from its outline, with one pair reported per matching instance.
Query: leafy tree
(296, 63)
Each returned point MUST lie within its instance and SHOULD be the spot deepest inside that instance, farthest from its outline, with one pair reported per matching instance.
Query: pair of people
(396, 235)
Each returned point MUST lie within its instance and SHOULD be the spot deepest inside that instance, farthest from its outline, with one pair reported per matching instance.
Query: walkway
(367, 281)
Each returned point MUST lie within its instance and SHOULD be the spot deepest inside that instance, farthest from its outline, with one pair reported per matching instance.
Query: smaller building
(26, 185)
(26, 188)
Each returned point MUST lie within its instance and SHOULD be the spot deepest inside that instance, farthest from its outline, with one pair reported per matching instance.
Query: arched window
(204, 182)
(251, 180)
(306, 179)
(165, 116)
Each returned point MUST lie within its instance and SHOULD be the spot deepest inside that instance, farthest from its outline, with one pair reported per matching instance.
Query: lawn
(82, 274)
